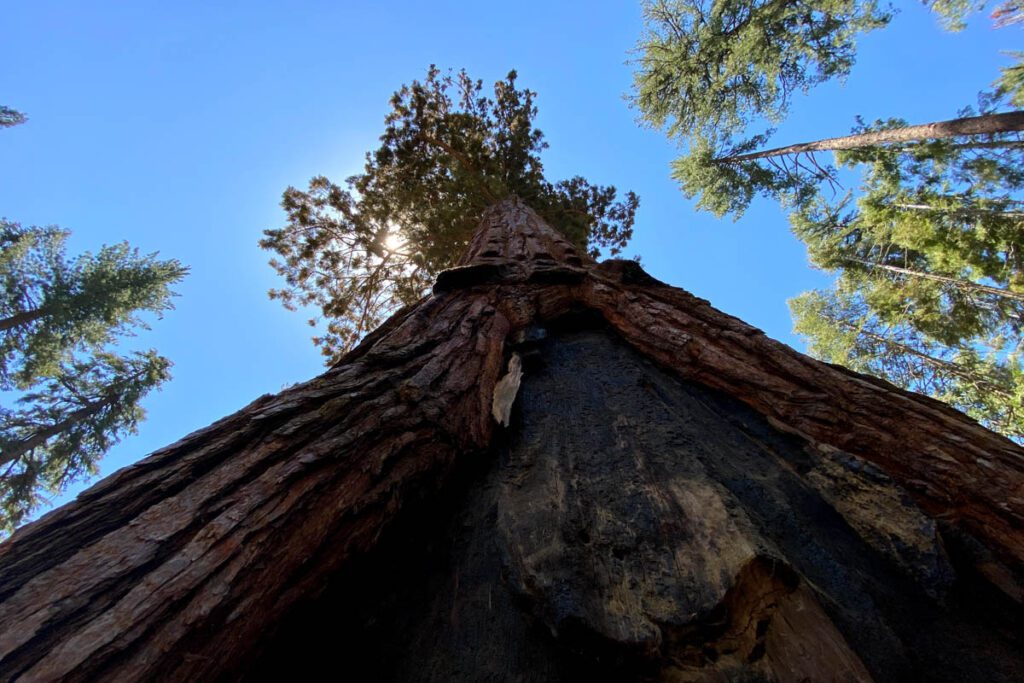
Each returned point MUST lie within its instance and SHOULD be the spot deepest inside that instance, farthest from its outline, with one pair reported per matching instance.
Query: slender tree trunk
(988, 124)
(961, 211)
(44, 434)
(956, 282)
(828, 503)
(22, 318)
(950, 368)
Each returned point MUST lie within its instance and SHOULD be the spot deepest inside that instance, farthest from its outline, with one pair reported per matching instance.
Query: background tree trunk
(678, 497)
(988, 124)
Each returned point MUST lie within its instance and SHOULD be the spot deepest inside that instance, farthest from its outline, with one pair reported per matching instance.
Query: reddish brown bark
(175, 566)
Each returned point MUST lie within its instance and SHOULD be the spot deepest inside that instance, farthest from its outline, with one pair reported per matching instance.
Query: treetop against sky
(177, 127)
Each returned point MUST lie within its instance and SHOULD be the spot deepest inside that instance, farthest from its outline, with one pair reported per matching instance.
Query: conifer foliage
(929, 291)
(449, 150)
(930, 273)
(67, 395)
(10, 117)
(709, 71)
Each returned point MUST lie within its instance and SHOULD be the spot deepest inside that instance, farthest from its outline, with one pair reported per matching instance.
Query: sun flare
(395, 239)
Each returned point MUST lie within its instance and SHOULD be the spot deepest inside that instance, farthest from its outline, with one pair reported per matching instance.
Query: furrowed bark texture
(665, 565)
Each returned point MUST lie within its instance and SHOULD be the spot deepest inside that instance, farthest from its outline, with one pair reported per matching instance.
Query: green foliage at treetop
(67, 396)
(843, 327)
(930, 253)
(716, 74)
(954, 13)
(50, 305)
(710, 71)
(709, 68)
(449, 150)
(10, 117)
(929, 289)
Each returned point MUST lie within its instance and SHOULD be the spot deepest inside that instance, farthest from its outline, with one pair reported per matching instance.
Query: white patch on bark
(506, 389)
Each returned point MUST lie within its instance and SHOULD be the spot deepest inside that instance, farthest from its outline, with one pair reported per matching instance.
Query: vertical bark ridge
(298, 484)
(510, 231)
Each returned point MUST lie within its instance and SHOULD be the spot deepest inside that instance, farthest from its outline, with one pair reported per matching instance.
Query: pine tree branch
(988, 124)
(966, 211)
(950, 367)
(111, 395)
(957, 282)
(41, 436)
(464, 162)
(22, 318)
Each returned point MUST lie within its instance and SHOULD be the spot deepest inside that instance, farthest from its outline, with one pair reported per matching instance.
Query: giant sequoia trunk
(675, 497)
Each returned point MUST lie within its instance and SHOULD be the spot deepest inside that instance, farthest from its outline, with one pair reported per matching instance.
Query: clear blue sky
(176, 125)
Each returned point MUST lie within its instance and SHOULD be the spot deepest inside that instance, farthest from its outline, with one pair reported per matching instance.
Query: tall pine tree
(448, 151)
(926, 253)
(67, 396)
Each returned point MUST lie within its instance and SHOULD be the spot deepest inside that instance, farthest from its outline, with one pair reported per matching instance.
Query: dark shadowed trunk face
(631, 526)
(677, 497)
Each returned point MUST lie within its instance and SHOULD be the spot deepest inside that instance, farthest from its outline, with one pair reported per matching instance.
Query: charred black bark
(591, 540)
